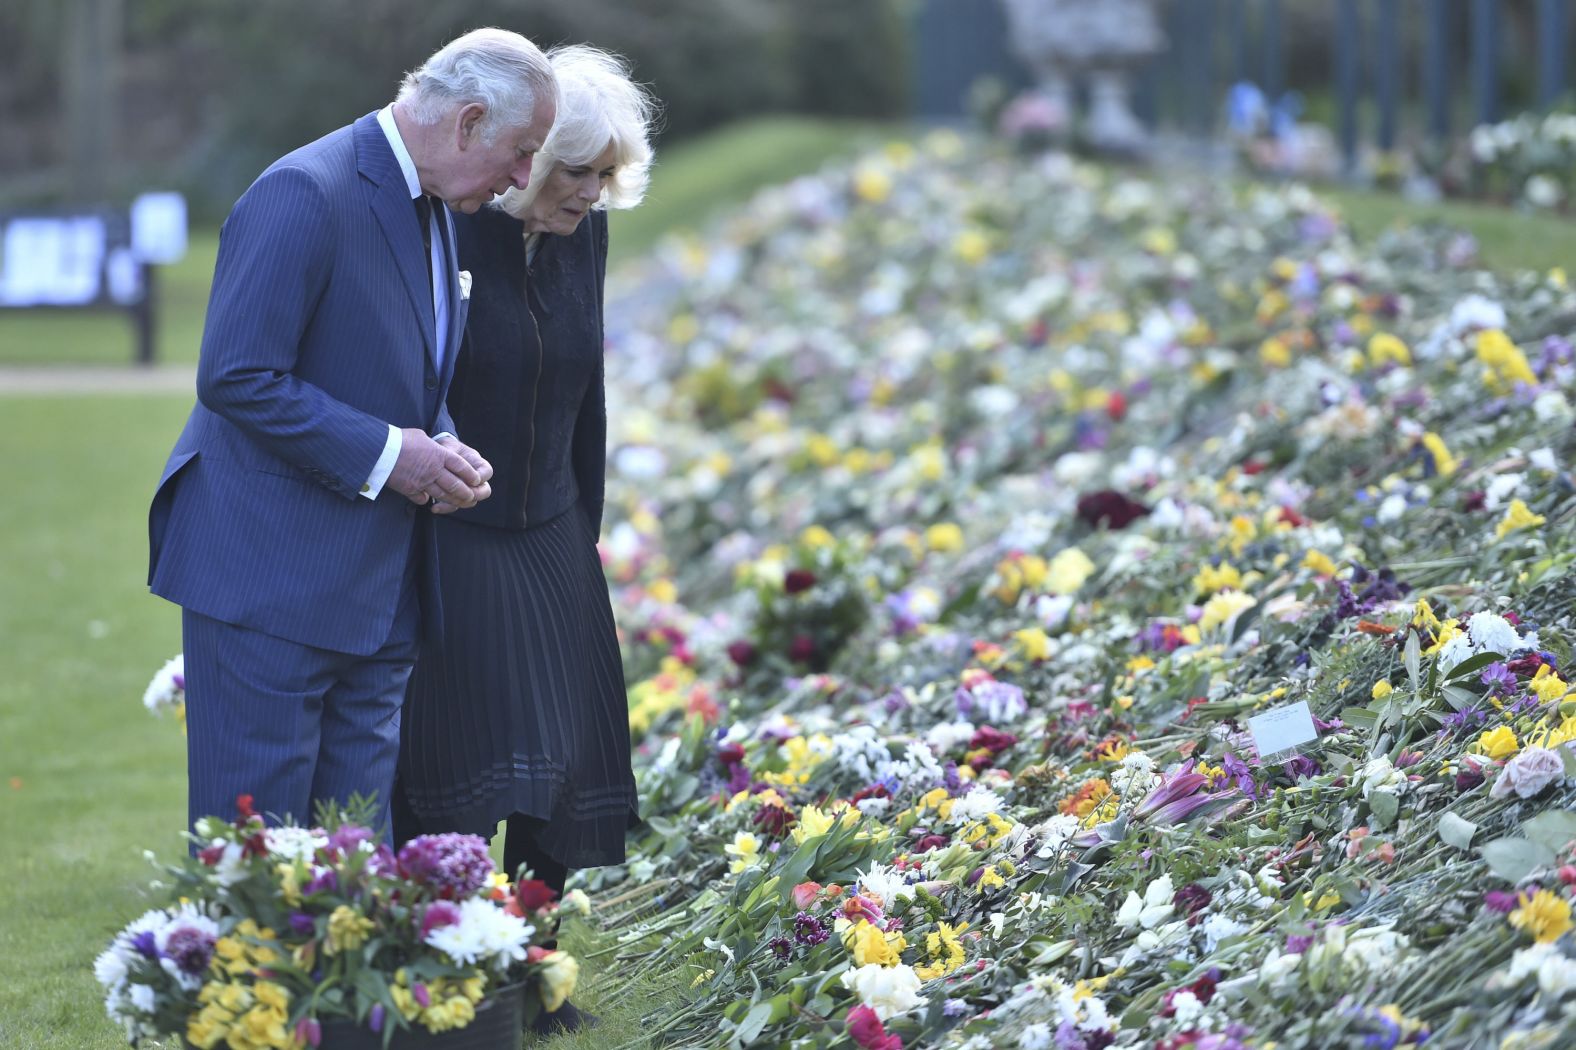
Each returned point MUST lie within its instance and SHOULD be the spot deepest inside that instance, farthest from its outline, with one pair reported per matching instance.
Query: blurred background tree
(101, 97)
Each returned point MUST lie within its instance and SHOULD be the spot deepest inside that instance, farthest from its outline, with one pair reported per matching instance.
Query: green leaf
(1384, 807)
(1456, 831)
(1553, 828)
(1413, 658)
(1514, 859)
(1362, 717)
(754, 1023)
(1460, 698)
(1469, 667)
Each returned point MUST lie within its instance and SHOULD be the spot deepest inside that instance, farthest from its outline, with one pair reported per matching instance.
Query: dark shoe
(567, 1018)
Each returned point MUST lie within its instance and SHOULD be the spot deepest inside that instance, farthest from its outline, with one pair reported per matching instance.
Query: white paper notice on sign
(1282, 731)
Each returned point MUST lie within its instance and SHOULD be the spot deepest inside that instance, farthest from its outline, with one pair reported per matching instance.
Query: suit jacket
(528, 387)
(319, 335)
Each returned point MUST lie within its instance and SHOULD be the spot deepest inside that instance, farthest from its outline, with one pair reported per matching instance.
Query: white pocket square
(465, 284)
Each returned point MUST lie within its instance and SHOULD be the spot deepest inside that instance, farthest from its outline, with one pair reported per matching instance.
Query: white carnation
(976, 805)
(1492, 633)
(888, 990)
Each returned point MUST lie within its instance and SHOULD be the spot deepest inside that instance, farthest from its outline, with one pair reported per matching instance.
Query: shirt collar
(401, 154)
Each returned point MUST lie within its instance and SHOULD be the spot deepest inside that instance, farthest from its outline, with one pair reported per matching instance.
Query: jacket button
(432, 382)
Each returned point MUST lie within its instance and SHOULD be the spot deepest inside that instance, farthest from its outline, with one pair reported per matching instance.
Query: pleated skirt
(522, 707)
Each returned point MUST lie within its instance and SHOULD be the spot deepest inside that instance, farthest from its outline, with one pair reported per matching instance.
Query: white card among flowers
(1282, 731)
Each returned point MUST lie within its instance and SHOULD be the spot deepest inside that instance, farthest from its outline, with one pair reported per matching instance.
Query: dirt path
(16, 380)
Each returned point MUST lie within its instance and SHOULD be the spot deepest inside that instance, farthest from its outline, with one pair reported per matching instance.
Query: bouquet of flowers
(273, 935)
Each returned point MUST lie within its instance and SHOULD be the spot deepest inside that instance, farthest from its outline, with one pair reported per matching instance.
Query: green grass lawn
(1507, 239)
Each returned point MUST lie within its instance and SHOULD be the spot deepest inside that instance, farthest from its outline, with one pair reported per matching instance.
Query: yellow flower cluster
(1546, 915)
(1018, 572)
(944, 951)
(1319, 563)
(1068, 571)
(1385, 347)
(242, 1017)
(347, 930)
(992, 830)
(451, 1003)
(1213, 578)
(1222, 607)
(1517, 516)
(869, 945)
(239, 953)
(1444, 463)
(667, 690)
(1498, 743)
(1504, 365)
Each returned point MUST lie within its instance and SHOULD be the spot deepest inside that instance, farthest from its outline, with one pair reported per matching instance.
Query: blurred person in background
(520, 715)
(291, 523)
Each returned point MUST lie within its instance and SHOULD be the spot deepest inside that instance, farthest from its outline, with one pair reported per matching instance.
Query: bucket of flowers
(292, 937)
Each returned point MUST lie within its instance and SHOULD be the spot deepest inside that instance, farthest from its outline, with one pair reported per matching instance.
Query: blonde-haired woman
(519, 713)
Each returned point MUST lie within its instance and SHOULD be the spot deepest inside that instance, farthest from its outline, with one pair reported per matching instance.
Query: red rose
(865, 1029)
(731, 752)
(798, 580)
(742, 653)
(534, 894)
(801, 649)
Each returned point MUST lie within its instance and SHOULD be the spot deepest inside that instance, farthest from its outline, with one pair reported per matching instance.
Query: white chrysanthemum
(1036, 1036)
(294, 843)
(1454, 652)
(1475, 312)
(1188, 1008)
(142, 998)
(946, 736)
(862, 752)
(1138, 762)
(110, 967)
(1055, 832)
(885, 882)
(485, 934)
(976, 805)
(888, 990)
(1492, 633)
(1217, 928)
(918, 769)
(165, 692)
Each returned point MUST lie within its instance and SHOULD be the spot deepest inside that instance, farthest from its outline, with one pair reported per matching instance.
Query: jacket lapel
(389, 199)
(458, 307)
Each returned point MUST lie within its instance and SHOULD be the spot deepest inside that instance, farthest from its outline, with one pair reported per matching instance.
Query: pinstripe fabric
(299, 594)
(289, 724)
(522, 708)
(319, 335)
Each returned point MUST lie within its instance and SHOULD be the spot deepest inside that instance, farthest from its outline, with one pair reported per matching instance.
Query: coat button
(432, 382)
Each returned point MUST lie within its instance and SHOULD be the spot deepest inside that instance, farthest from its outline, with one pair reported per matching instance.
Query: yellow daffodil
(745, 849)
(813, 823)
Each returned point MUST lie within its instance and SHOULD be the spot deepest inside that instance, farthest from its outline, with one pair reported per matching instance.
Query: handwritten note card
(1282, 731)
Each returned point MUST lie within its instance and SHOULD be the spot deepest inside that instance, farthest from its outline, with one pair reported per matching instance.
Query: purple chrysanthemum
(450, 865)
(189, 949)
(807, 929)
(781, 947)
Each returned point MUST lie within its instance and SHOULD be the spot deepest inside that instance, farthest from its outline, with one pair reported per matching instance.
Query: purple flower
(1298, 943)
(954, 1008)
(1468, 779)
(1192, 899)
(189, 949)
(302, 924)
(1504, 901)
(1239, 774)
(451, 865)
(1177, 798)
(325, 881)
(1300, 768)
(348, 838)
(1498, 677)
(309, 1031)
(375, 1018)
(438, 914)
(146, 945)
(419, 992)
(781, 947)
(807, 929)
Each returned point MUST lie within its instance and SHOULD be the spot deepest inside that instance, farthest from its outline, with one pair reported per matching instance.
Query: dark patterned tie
(424, 214)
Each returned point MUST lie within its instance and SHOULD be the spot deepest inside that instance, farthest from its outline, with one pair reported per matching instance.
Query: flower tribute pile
(273, 934)
(964, 510)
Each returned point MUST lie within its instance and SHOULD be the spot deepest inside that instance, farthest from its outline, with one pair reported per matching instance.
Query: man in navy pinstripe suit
(291, 523)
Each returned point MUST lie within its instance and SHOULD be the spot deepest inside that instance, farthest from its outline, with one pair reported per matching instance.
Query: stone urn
(1099, 41)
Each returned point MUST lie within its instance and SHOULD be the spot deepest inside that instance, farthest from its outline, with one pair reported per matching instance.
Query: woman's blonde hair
(598, 104)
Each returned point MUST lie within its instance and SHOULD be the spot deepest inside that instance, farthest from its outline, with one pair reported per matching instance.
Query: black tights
(520, 847)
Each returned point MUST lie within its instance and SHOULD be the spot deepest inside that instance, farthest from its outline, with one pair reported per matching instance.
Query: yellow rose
(558, 974)
(870, 946)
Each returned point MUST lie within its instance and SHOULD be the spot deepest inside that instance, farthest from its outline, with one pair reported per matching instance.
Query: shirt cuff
(385, 464)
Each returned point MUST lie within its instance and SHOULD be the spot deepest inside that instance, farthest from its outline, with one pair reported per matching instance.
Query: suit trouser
(290, 724)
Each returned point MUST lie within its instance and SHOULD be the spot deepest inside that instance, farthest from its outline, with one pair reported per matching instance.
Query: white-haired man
(286, 522)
